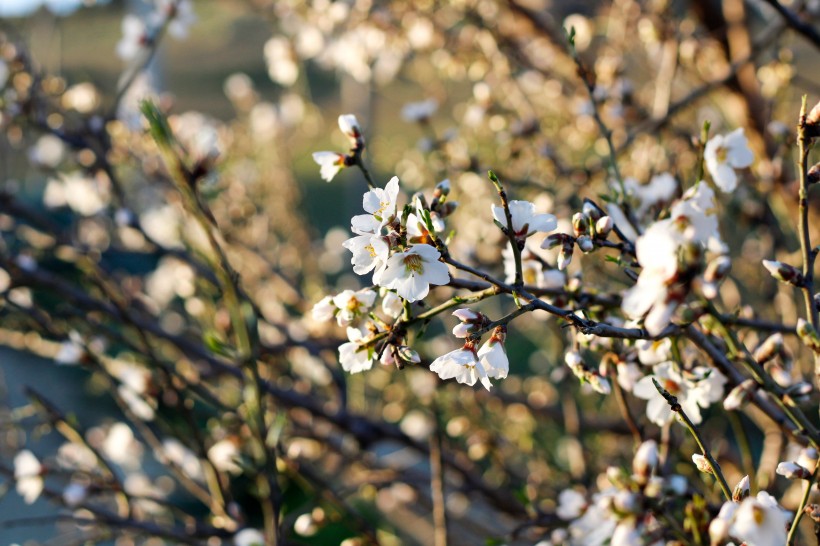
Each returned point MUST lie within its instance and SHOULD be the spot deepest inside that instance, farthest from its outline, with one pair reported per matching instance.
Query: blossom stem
(516, 250)
(713, 464)
(803, 502)
(803, 145)
(359, 162)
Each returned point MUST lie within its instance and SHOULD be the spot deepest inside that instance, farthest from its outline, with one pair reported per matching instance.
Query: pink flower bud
(742, 489)
(792, 471)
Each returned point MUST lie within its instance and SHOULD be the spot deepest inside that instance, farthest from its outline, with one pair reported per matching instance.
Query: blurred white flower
(698, 389)
(281, 61)
(47, 152)
(324, 309)
(419, 111)
(180, 14)
(28, 474)
(249, 537)
(71, 351)
(725, 153)
(86, 196)
(410, 273)
(134, 37)
(225, 456)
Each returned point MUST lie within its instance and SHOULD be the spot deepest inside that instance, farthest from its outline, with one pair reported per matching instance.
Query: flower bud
(808, 334)
(591, 210)
(408, 355)
(465, 314)
(813, 176)
(770, 347)
(574, 361)
(741, 490)
(442, 189)
(808, 458)
(585, 244)
(604, 226)
(702, 463)
(580, 224)
(599, 383)
(350, 127)
(565, 255)
(553, 240)
(784, 272)
(717, 269)
(740, 395)
(626, 502)
(792, 471)
(471, 321)
(645, 461)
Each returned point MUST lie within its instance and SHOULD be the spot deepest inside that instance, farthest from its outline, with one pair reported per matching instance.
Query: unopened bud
(580, 224)
(813, 511)
(808, 458)
(591, 210)
(442, 188)
(813, 176)
(792, 471)
(585, 244)
(808, 335)
(565, 255)
(350, 127)
(604, 226)
(645, 461)
(553, 240)
(717, 269)
(813, 119)
(574, 361)
(780, 375)
(626, 502)
(465, 314)
(742, 489)
(740, 395)
(769, 348)
(408, 355)
(702, 463)
(784, 272)
(599, 383)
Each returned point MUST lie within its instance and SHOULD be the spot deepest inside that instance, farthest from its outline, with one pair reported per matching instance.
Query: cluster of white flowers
(139, 32)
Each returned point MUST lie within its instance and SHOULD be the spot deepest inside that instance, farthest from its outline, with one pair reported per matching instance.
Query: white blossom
(249, 537)
(410, 273)
(324, 310)
(725, 153)
(134, 37)
(28, 474)
(381, 205)
(353, 305)
(462, 365)
(525, 221)
(330, 164)
(494, 358)
(700, 389)
(760, 521)
(370, 252)
(355, 356)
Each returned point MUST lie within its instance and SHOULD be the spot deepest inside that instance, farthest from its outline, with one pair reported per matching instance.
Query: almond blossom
(724, 154)
(698, 389)
(410, 273)
(330, 163)
(355, 356)
(353, 305)
(463, 365)
(381, 205)
(525, 221)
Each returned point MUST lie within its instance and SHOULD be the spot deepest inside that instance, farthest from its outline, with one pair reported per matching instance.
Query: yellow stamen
(414, 263)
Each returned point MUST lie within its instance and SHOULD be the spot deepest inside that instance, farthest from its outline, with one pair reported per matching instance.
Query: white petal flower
(225, 456)
(392, 304)
(353, 305)
(324, 310)
(525, 221)
(725, 153)
(370, 252)
(28, 475)
(134, 38)
(410, 273)
(355, 356)
(330, 164)
(350, 126)
(494, 358)
(463, 365)
(571, 504)
(760, 521)
(700, 389)
(381, 204)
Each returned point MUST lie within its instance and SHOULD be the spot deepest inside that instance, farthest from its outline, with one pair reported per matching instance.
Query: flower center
(414, 263)
(371, 250)
(671, 386)
(353, 305)
(722, 153)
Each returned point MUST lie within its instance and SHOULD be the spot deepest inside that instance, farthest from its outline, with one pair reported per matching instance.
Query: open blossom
(355, 356)
(352, 305)
(28, 473)
(660, 190)
(725, 153)
(330, 163)
(698, 389)
(757, 521)
(381, 205)
(369, 252)
(525, 221)
(410, 273)
(324, 309)
(493, 356)
(462, 365)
